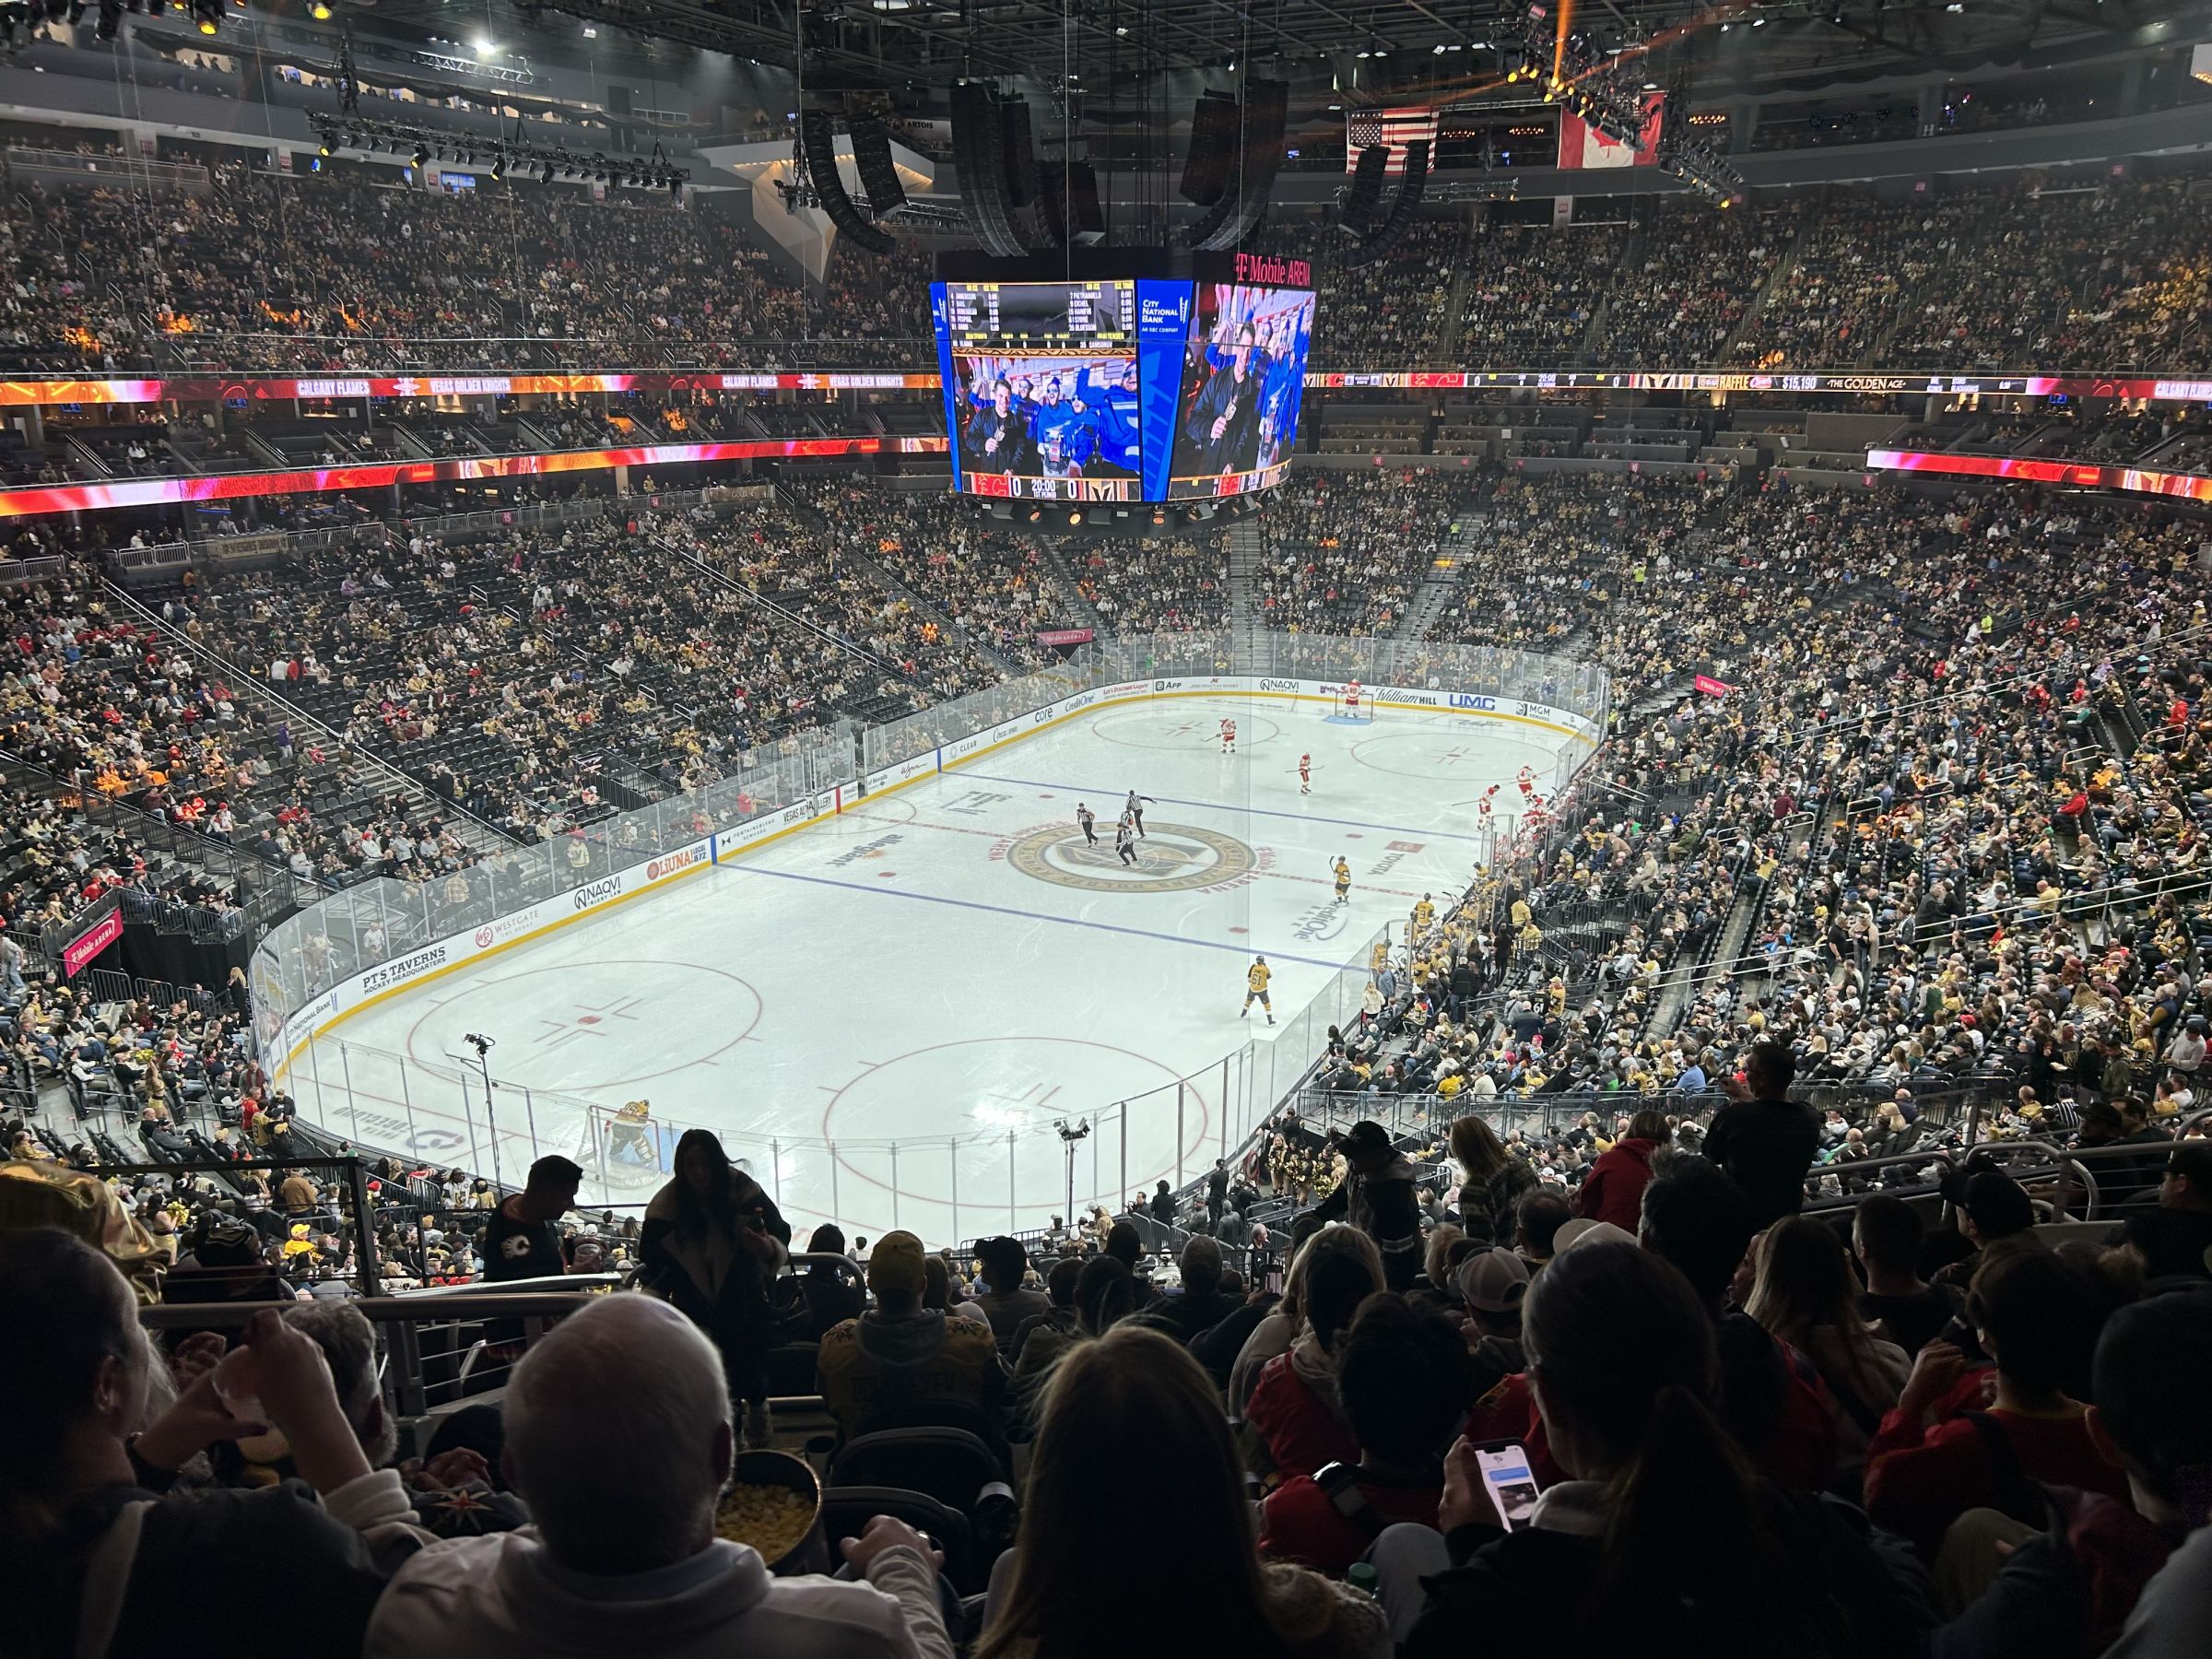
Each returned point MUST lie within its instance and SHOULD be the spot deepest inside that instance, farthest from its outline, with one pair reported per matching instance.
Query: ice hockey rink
(885, 1015)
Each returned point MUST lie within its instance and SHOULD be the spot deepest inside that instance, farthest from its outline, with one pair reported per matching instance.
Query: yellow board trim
(537, 933)
(598, 909)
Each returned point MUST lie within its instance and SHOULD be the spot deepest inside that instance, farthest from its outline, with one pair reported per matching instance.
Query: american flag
(1397, 128)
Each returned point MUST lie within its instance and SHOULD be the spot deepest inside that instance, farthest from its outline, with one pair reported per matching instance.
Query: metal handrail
(379, 1310)
(486, 1291)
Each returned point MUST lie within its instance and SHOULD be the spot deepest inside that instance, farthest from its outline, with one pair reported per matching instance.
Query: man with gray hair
(349, 1342)
(618, 1438)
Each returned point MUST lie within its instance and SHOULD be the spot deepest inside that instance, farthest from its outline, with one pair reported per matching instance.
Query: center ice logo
(1171, 858)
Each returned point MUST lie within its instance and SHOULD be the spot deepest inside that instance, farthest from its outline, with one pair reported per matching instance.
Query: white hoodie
(503, 1598)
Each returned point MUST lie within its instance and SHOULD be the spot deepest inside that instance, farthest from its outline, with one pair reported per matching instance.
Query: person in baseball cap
(1992, 1204)
(1493, 1282)
(2187, 1181)
(1588, 1229)
(1994, 1213)
(896, 1267)
(1365, 1138)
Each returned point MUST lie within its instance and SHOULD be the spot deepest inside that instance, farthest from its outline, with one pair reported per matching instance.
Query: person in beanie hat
(1377, 1197)
(901, 1364)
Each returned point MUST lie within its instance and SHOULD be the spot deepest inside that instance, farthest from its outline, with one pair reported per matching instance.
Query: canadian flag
(1582, 145)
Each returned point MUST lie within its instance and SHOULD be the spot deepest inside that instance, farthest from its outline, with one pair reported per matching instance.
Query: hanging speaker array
(1366, 197)
(1020, 152)
(1213, 147)
(879, 172)
(818, 138)
(1411, 188)
(1265, 115)
(1068, 204)
(979, 152)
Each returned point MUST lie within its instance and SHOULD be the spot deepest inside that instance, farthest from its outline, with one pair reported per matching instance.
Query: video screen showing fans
(1244, 380)
(1047, 427)
(1040, 388)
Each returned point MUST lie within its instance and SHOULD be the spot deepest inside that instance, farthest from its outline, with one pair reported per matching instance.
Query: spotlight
(420, 155)
(1075, 517)
(323, 148)
(499, 170)
(546, 177)
(320, 11)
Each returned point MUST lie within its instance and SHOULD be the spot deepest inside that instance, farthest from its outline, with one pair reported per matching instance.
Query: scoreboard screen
(1039, 313)
(1122, 388)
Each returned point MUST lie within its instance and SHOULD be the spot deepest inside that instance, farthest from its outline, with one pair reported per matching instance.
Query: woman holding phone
(1662, 1542)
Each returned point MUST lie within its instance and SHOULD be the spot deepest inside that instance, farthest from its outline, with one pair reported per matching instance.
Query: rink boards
(415, 969)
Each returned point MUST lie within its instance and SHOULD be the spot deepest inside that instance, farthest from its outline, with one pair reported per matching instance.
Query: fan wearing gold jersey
(1255, 984)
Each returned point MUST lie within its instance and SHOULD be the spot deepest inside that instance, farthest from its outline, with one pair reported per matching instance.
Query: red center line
(1277, 875)
(1330, 881)
(948, 829)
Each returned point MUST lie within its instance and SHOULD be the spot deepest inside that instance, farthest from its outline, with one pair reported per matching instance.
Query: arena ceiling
(1387, 48)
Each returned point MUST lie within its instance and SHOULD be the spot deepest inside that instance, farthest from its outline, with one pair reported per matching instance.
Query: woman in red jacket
(2037, 1316)
(1613, 1191)
(1294, 1412)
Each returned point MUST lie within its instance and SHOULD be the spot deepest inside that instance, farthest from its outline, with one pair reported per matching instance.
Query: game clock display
(1128, 389)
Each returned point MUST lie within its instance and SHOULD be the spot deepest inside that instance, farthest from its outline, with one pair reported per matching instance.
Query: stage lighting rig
(1576, 73)
(1700, 166)
(422, 145)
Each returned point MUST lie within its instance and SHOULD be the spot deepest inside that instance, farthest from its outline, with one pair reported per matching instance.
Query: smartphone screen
(1505, 1477)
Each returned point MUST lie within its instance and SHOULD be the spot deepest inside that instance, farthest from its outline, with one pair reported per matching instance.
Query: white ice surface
(896, 975)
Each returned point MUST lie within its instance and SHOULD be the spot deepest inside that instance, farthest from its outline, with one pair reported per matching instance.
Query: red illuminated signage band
(253, 389)
(231, 487)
